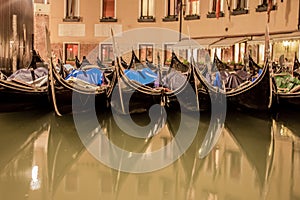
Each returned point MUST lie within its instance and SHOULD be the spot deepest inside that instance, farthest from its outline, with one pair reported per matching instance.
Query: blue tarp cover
(93, 76)
(143, 76)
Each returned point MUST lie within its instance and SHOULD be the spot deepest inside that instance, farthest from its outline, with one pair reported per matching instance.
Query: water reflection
(22, 169)
(253, 158)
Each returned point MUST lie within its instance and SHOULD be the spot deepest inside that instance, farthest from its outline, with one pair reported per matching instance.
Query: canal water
(43, 156)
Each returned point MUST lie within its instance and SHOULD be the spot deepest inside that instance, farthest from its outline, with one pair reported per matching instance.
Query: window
(71, 50)
(146, 52)
(183, 55)
(192, 9)
(108, 11)
(240, 7)
(213, 8)
(72, 10)
(107, 55)
(167, 54)
(171, 10)
(42, 1)
(147, 11)
(263, 6)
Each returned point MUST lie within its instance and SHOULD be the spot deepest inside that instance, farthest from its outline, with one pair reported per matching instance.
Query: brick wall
(40, 21)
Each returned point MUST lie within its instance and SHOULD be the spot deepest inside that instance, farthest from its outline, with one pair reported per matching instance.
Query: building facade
(229, 28)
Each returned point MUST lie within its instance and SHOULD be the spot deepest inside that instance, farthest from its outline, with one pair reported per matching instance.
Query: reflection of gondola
(289, 118)
(64, 148)
(190, 162)
(17, 157)
(260, 154)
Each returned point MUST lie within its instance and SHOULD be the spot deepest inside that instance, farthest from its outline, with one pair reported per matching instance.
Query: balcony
(108, 19)
(240, 11)
(264, 8)
(192, 17)
(170, 18)
(146, 19)
(213, 14)
(72, 19)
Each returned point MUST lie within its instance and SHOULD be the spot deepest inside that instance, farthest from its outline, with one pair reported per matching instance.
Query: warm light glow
(286, 43)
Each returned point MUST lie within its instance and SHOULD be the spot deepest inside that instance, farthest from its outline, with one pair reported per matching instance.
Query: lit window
(172, 8)
(167, 53)
(71, 50)
(263, 6)
(240, 4)
(183, 54)
(147, 9)
(146, 52)
(107, 55)
(213, 5)
(192, 7)
(72, 10)
(108, 9)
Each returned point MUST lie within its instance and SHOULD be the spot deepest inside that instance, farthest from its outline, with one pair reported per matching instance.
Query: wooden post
(14, 45)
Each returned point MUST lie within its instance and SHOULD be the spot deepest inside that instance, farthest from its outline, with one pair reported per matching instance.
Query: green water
(253, 157)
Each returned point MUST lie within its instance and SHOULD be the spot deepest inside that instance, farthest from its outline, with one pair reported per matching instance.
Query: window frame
(165, 49)
(65, 58)
(108, 19)
(263, 7)
(192, 16)
(240, 11)
(106, 62)
(147, 18)
(146, 44)
(212, 11)
(76, 17)
(168, 15)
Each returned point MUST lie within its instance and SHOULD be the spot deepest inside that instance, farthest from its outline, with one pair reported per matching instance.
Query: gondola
(131, 96)
(250, 95)
(289, 98)
(76, 95)
(26, 88)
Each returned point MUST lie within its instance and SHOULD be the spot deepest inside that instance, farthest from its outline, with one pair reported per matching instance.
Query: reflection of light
(35, 183)
(71, 49)
(217, 160)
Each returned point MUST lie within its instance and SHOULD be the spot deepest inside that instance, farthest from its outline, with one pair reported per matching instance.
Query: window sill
(108, 19)
(213, 15)
(240, 12)
(264, 8)
(72, 19)
(146, 19)
(191, 17)
(170, 18)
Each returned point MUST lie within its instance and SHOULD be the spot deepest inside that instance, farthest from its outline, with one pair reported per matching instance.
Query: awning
(186, 44)
(275, 38)
(258, 40)
(202, 43)
(206, 42)
(286, 36)
(229, 41)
